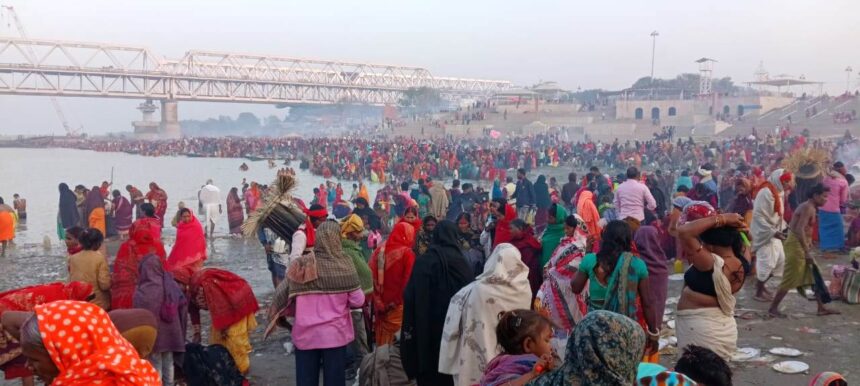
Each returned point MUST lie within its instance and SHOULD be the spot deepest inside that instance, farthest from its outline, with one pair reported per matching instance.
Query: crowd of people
(845, 116)
(151, 296)
(520, 283)
(486, 158)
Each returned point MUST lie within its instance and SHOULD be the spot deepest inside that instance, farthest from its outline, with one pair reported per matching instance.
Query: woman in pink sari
(235, 215)
(252, 198)
(190, 247)
(322, 197)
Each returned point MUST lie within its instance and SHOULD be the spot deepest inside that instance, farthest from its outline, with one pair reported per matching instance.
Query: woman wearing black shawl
(437, 275)
(659, 196)
(362, 209)
(68, 214)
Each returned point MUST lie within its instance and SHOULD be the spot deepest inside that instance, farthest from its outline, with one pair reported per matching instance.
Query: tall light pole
(848, 71)
(654, 35)
(653, 50)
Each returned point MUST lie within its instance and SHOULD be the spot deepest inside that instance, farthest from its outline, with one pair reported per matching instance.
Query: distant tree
(588, 96)
(421, 99)
(247, 120)
(272, 121)
(688, 83)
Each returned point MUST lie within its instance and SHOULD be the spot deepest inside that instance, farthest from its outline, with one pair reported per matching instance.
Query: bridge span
(85, 69)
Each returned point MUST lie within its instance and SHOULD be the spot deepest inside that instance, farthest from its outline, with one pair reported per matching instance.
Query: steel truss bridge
(81, 69)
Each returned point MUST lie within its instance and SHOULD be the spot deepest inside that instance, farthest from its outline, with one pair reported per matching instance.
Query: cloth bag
(304, 268)
(838, 274)
(851, 286)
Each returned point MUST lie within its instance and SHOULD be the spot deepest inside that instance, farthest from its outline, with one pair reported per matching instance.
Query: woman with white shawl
(469, 336)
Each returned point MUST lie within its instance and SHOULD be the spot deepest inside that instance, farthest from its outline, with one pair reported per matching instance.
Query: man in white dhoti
(210, 201)
(767, 230)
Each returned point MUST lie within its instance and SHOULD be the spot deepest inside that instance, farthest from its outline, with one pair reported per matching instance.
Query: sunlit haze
(602, 44)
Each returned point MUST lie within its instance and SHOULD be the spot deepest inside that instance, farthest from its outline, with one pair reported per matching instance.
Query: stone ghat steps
(819, 124)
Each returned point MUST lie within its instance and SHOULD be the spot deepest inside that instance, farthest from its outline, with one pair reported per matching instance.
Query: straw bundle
(279, 212)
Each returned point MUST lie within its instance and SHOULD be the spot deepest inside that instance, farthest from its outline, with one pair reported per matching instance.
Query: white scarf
(469, 336)
(765, 221)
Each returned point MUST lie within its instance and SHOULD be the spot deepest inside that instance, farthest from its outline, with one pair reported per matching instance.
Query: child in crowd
(704, 366)
(73, 244)
(526, 352)
(697, 366)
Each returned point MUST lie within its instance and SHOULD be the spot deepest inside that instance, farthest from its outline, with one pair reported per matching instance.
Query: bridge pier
(169, 119)
(147, 128)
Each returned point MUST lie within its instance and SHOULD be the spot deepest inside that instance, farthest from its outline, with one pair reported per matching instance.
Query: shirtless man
(20, 206)
(798, 251)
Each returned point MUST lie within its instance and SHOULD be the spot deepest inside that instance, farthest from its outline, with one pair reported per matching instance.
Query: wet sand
(828, 343)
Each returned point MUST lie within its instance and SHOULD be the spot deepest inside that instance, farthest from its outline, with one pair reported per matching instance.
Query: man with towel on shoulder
(766, 230)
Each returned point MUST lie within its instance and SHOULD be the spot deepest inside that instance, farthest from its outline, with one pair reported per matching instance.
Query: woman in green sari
(554, 232)
(423, 201)
(618, 281)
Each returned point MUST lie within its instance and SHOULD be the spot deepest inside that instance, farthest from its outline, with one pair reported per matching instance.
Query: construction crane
(10, 10)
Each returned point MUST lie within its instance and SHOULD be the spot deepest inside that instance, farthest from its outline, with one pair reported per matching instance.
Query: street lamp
(654, 35)
(653, 49)
(848, 78)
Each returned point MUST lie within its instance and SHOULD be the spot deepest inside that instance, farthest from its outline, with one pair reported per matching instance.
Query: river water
(35, 173)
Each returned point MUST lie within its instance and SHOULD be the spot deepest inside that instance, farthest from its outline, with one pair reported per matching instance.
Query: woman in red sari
(391, 266)
(125, 269)
(158, 198)
(410, 216)
(190, 247)
(12, 363)
(504, 213)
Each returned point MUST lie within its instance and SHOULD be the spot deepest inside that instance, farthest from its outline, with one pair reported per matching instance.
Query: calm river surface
(35, 173)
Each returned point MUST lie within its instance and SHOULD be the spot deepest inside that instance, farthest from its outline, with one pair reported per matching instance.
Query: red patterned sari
(26, 299)
(158, 198)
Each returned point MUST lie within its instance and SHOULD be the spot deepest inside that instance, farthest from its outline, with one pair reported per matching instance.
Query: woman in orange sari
(190, 248)
(586, 209)
(125, 269)
(8, 221)
(95, 210)
(391, 266)
(12, 363)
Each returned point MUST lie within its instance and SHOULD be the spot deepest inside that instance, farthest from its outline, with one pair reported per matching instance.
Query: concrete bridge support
(169, 119)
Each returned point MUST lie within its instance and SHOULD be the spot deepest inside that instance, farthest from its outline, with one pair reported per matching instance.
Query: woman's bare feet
(824, 311)
(764, 298)
(776, 314)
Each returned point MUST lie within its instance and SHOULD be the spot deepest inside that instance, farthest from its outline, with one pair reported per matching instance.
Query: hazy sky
(588, 44)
